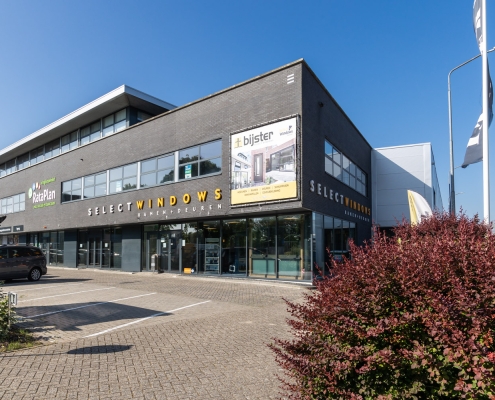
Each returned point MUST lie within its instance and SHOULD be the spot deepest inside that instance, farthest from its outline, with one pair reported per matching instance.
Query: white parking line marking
(87, 305)
(144, 319)
(65, 294)
(45, 286)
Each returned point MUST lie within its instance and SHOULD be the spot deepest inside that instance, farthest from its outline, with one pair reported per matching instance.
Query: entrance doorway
(163, 250)
(89, 250)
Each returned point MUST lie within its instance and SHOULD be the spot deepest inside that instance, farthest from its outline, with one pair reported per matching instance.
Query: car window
(23, 252)
(35, 252)
(13, 253)
(3, 253)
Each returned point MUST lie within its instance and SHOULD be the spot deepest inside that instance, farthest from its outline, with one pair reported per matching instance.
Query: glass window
(123, 178)
(210, 166)
(262, 247)
(188, 155)
(95, 131)
(188, 171)
(210, 150)
(345, 177)
(52, 149)
(328, 149)
(10, 166)
(69, 142)
(85, 135)
(345, 163)
(71, 190)
(148, 165)
(294, 260)
(234, 259)
(142, 116)
(23, 161)
(95, 185)
(120, 120)
(108, 125)
(3, 172)
(344, 169)
(156, 171)
(210, 163)
(13, 204)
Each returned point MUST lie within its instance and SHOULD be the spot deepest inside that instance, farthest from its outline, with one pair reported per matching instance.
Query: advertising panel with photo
(263, 163)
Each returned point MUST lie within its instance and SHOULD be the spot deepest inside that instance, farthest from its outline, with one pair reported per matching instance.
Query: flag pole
(486, 171)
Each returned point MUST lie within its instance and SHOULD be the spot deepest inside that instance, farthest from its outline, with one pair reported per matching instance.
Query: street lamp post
(452, 188)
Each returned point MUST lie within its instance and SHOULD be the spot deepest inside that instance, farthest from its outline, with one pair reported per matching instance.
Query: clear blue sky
(385, 62)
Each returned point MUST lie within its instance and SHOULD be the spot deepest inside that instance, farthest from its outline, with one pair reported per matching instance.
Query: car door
(18, 262)
(5, 266)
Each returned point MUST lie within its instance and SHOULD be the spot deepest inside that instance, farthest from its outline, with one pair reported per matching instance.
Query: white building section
(396, 170)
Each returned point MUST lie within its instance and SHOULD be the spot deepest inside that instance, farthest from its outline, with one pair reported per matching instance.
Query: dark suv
(22, 262)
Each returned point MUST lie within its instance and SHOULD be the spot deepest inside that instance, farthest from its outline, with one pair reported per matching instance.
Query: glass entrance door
(94, 251)
(163, 249)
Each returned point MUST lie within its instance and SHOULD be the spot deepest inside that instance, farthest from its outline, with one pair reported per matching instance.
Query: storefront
(267, 179)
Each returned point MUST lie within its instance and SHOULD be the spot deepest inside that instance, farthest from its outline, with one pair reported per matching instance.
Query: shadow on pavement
(111, 348)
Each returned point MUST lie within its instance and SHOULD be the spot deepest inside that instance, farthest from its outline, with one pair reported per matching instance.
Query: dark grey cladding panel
(256, 102)
(70, 248)
(322, 118)
(131, 248)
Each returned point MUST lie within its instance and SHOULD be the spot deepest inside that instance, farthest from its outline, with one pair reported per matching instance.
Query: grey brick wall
(238, 108)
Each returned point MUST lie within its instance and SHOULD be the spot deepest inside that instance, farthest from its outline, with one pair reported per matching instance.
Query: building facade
(257, 180)
(396, 170)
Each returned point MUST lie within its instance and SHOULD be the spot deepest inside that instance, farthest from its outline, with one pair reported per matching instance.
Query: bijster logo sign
(42, 197)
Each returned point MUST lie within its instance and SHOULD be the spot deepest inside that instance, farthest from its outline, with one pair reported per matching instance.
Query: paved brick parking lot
(111, 334)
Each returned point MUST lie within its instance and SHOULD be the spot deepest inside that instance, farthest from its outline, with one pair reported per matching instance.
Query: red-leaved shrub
(412, 316)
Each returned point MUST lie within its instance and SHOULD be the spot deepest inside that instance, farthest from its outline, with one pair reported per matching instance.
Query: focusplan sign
(263, 163)
(40, 195)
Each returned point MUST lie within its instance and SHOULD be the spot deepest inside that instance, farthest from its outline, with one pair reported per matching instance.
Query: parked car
(20, 261)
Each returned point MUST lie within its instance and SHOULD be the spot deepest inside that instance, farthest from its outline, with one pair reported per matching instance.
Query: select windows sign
(263, 163)
(42, 197)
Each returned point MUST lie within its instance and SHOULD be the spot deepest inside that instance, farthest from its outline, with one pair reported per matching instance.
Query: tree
(410, 316)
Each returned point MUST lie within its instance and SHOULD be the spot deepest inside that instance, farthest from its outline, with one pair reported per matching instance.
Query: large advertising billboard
(263, 163)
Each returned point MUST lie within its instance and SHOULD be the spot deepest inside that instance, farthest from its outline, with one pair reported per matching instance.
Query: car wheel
(34, 274)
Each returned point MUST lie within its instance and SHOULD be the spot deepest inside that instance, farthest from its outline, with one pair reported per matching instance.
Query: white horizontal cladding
(390, 197)
(400, 180)
(390, 215)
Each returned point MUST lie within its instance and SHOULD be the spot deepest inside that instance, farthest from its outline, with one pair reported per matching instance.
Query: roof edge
(123, 89)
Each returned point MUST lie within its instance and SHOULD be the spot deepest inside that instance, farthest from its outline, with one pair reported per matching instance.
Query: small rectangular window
(85, 135)
(23, 161)
(71, 190)
(95, 129)
(52, 149)
(108, 125)
(120, 120)
(69, 142)
(95, 185)
(123, 178)
(210, 156)
(10, 166)
(188, 155)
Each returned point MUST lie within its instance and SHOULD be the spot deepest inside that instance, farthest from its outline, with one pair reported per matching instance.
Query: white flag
(418, 207)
